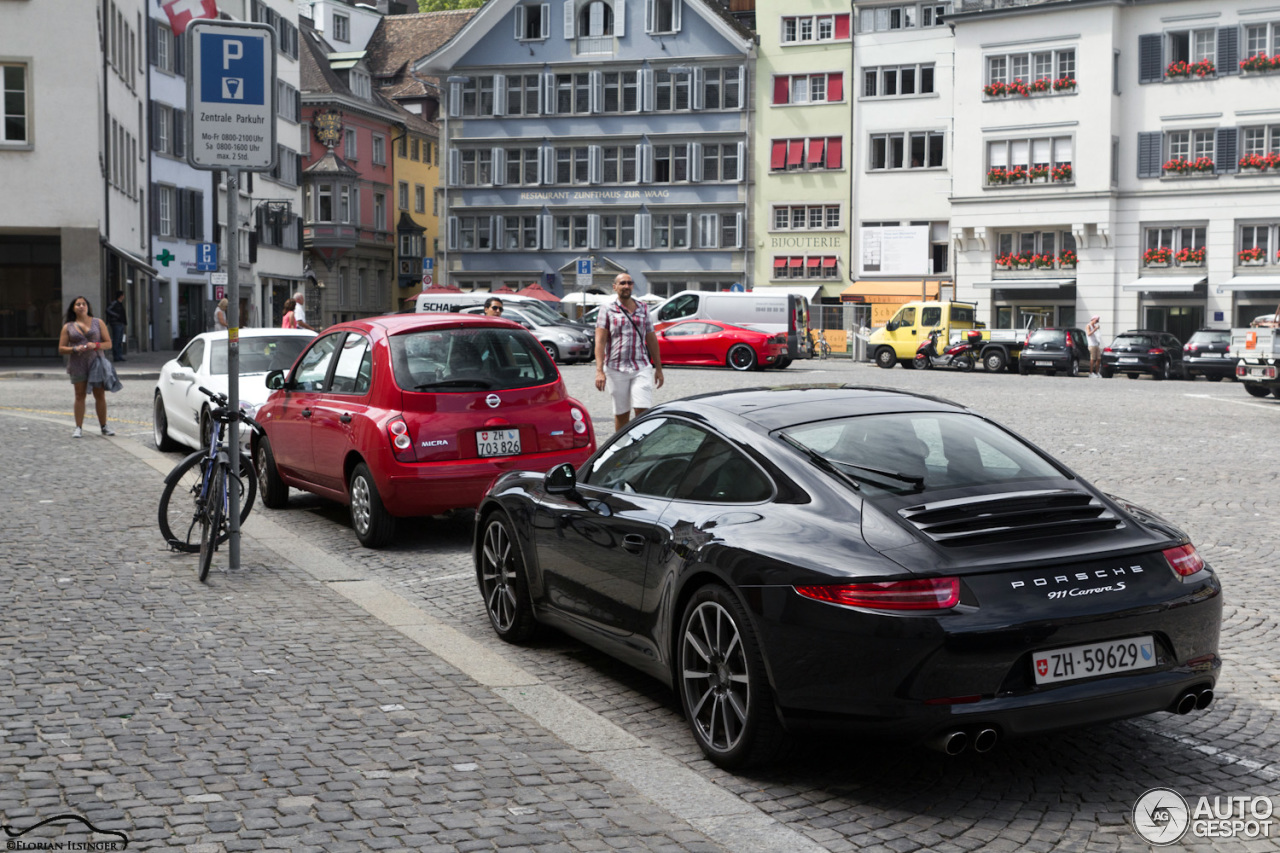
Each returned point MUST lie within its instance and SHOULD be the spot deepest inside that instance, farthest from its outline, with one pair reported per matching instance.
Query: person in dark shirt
(117, 320)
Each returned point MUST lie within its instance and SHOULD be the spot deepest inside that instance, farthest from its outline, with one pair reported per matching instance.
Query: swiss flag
(183, 12)
(1042, 666)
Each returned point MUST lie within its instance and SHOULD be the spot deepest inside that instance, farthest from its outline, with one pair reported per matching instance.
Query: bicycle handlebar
(221, 413)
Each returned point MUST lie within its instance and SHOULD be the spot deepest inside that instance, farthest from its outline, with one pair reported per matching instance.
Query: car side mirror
(275, 380)
(892, 325)
(182, 375)
(561, 480)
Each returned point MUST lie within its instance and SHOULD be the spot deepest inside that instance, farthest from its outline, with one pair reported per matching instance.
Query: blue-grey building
(602, 129)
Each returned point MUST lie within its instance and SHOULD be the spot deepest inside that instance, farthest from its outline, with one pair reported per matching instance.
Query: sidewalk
(137, 365)
(292, 704)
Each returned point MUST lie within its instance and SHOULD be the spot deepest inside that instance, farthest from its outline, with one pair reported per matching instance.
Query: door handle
(633, 543)
(345, 417)
(306, 413)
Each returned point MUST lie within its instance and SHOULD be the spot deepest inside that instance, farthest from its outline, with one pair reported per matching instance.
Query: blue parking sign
(207, 257)
(584, 266)
(231, 69)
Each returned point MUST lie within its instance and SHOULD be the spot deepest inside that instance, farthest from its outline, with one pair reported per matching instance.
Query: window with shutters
(475, 233)
(288, 102)
(533, 21)
(802, 217)
(670, 231)
(521, 167)
(1033, 160)
(621, 92)
(522, 94)
(671, 90)
(618, 231)
(163, 47)
(893, 81)
(164, 209)
(1188, 152)
(520, 232)
(571, 231)
(573, 94)
(800, 89)
(917, 150)
(670, 164)
(476, 167)
(663, 16)
(719, 161)
(619, 164)
(814, 153)
(808, 29)
(721, 88)
(595, 28)
(1190, 54)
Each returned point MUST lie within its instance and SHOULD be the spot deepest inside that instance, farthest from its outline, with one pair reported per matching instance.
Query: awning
(815, 262)
(1166, 283)
(1252, 282)
(1025, 283)
(779, 262)
(132, 259)
(893, 292)
(809, 293)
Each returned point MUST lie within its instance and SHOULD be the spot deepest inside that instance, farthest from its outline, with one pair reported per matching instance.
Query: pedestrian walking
(220, 316)
(290, 319)
(1095, 346)
(300, 311)
(117, 320)
(627, 358)
(83, 340)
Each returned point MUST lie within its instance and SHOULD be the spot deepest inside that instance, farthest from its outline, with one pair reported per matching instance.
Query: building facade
(609, 132)
(75, 218)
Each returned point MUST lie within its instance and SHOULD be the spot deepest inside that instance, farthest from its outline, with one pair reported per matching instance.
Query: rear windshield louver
(1010, 517)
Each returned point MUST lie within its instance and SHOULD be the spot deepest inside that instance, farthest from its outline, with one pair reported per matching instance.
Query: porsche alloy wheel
(502, 583)
(726, 697)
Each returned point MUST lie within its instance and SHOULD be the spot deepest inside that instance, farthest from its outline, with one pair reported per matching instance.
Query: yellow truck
(900, 337)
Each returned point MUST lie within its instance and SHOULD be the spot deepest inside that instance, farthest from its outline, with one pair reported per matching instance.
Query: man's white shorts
(630, 389)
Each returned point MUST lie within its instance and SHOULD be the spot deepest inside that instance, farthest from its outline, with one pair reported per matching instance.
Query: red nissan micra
(415, 414)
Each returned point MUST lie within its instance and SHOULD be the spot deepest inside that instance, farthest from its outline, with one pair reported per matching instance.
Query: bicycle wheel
(212, 521)
(179, 514)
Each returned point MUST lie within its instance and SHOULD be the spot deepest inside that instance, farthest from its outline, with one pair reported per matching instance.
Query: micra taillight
(1183, 560)
(401, 442)
(581, 427)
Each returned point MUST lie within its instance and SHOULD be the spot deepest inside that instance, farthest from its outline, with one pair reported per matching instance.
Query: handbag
(102, 372)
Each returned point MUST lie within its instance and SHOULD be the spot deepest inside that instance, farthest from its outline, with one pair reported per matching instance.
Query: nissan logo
(493, 400)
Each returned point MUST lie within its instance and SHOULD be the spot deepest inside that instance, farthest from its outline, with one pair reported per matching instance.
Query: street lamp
(444, 156)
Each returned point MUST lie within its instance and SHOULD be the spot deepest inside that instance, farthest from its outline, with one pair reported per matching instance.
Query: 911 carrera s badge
(493, 400)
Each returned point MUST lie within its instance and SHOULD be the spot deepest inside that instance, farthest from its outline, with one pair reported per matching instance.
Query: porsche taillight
(401, 443)
(922, 594)
(1183, 560)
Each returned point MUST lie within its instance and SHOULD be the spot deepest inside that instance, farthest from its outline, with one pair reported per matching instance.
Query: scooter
(959, 355)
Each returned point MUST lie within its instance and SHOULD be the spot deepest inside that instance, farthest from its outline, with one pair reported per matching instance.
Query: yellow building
(416, 175)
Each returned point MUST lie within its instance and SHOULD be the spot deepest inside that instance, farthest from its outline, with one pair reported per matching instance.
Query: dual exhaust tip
(1195, 699)
(978, 738)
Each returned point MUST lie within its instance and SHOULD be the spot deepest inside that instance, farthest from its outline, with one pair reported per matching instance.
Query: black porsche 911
(821, 558)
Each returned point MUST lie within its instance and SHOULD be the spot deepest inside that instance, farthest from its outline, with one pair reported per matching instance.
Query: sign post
(231, 125)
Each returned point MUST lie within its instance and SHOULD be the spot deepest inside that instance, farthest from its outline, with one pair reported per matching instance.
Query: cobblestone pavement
(1203, 454)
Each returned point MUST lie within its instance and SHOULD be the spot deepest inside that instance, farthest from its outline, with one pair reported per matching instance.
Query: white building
(73, 167)
(345, 24)
(1131, 153)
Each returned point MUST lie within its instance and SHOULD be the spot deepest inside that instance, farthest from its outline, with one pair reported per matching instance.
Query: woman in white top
(1095, 346)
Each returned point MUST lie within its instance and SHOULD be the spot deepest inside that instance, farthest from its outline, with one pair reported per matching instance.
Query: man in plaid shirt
(627, 359)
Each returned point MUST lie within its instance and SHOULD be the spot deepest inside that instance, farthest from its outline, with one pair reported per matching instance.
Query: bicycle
(819, 345)
(196, 495)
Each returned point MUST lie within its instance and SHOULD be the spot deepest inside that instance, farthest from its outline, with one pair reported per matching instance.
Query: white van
(453, 302)
(768, 312)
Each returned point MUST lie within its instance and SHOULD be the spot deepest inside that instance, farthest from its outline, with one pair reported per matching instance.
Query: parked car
(564, 341)
(709, 343)
(1207, 353)
(853, 560)
(1052, 350)
(413, 415)
(1140, 351)
(180, 412)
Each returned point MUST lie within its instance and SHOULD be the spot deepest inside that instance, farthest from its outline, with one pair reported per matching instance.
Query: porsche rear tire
(504, 583)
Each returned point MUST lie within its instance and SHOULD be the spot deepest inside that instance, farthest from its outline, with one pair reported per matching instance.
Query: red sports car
(415, 414)
(711, 342)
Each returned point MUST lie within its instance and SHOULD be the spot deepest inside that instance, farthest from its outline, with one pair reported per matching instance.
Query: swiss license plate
(1044, 364)
(1094, 659)
(498, 442)
(1212, 355)
(1128, 361)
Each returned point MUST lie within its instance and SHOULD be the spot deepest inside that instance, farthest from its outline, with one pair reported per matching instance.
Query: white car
(181, 410)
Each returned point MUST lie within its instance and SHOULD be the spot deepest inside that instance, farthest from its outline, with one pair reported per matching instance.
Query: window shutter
(178, 209)
(1151, 58)
(548, 167)
(648, 15)
(568, 19)
(646, 164)
(835, 87)
(1149, 164)
(547, 229)
(696, 87)
(595, 164)
(597, 91)
(153, 38)
(455, 167)
(737, 242)
(180, 55)
(155, 126)
(675, 15)
(742, 162)
(644, 238)
(695, 161)
(619, 18)
(179, 133)
(498, 172)
(500, 95)
(455, 100)
(647, 90)
(781, 90)
(1225, 149)
(499, 231)
(1228, 50)
(253, 247)
(742, 88)
(688, 230)
(835, 153)
(842, 26)
(593, 231)
(453, 232)
(546, 20)
(548, 93)
(520, 12)
(155, 211)
(197, 209)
